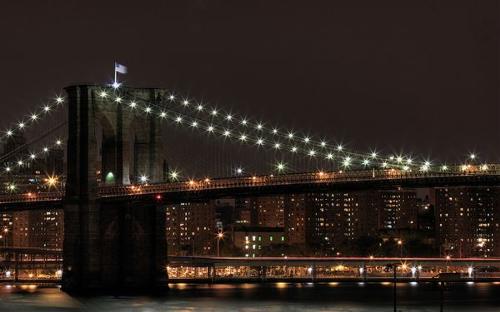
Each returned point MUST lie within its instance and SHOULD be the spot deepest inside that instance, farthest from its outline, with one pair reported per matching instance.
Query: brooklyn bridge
(116, 185)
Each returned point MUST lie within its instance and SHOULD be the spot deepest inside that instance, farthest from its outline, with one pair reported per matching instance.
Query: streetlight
(220, 236)
(400, 243)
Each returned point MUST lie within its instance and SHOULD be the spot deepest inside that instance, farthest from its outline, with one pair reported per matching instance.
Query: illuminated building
(259, 241)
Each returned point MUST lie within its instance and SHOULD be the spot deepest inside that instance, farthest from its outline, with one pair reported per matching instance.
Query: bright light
(143, 179)
(243, 138)
(214, 112)
(399, 159)
(275, 131)
(374, 155)
(32, 156)
(163, 115)
(178, 119)
(210, 129)
(118, 99)
(472, 156)
(312, 153)
(11, 187)
(244, 122)
(294, 149)
(9, 132)
(116, 85)
(133, 104)
(20, 162)
(21, 125)
(174, 175)
(227, 133)
(199, 107)
(323, 143)
(171, 97)
(384, 164)
(406, 168)
(347, 161)
(59, 100)
(277, 145)
(45, 149)
(280, 166)
(51, 181)
(259, 126)
(103, 94)
(239, 170)
(409, 161)
(307, 139)
(229, 117)
(290, 135)
(7, 169)
(484, 167)
(58, 142)
(339, 147)
(46, 108)
(34, 117)
(366, 162)
(185, 102)
(147, 110)
(260, 141)
(329, 156)
(220, 235)
(194, 124)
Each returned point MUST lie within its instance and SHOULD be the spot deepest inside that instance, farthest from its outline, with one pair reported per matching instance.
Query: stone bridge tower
(120, 244)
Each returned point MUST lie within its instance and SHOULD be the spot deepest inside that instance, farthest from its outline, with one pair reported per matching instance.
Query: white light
(384, 164)
(444, 167)
(366, 162)
(178, 119)
(312, 153)
(339, 147)
(399, 159)
(174, 175)
(9, 132)
(199, 107)
(58, 142)
(277, 145)
(239, 170)
(20, 162)
(260, 141)
(323, 143)
(406, 168)
(103, 94)
(244, 122)
(472, 156)
(229, 117)
(163, 115)
(143, 179)
(147, 110)
(243, 137)
(7, 169)
(45, 149)
(21, 125)
(484, 167)
(46, 108)
(32, 156)
(185, 102)
(133, 104)
(275, 131)
(194, 124)
(290, 135)
(374, 155)
(210, 129)
(306, 140)
(59, 100)
(409, 161)
(171, 97)
(214, 112)
(116, 85)
(391, 158)
(227, 133)
(34, 117)
(259, 127)
(118, 99)
(294, 149)
(280, 166)
(347, 161)
(329, 156)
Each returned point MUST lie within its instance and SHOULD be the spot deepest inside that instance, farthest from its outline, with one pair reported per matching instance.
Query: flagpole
(115, 71)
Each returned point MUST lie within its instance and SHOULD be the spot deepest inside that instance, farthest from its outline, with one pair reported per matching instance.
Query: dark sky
(417, 76)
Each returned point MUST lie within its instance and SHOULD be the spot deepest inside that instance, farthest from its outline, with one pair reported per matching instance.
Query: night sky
(403, 76)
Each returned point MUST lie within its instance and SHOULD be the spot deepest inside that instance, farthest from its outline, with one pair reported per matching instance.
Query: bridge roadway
(268, 184)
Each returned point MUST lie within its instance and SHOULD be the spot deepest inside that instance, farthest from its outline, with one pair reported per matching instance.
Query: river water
(341, 297)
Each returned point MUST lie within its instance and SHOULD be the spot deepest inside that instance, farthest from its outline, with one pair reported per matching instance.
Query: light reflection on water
(248, 297)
